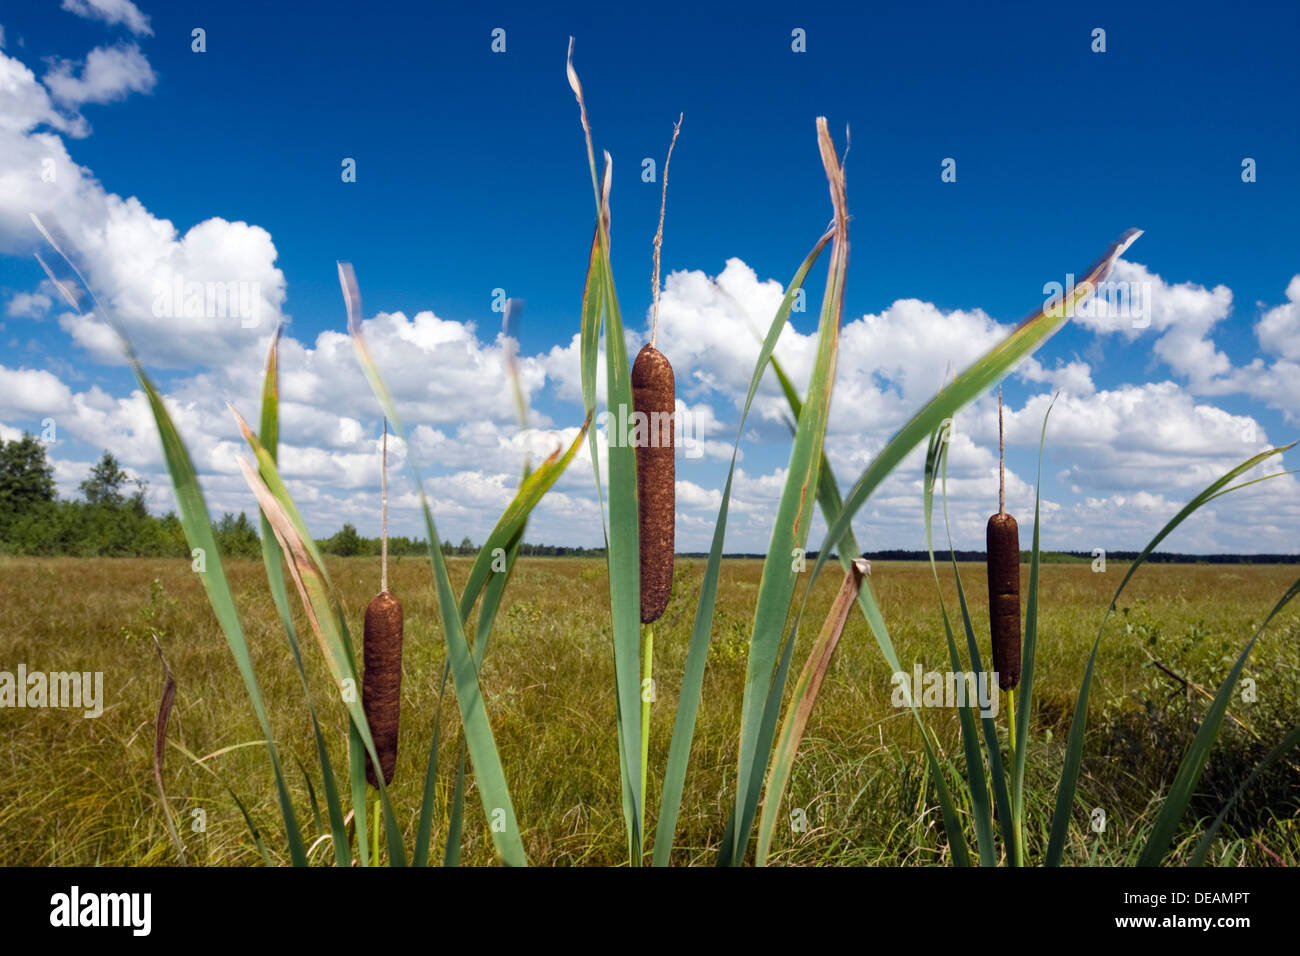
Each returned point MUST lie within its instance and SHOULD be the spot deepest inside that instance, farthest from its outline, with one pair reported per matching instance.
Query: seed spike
(381, 682)
(654, 396)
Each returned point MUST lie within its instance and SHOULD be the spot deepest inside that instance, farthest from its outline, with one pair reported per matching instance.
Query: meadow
(81, 791)
(562, 765)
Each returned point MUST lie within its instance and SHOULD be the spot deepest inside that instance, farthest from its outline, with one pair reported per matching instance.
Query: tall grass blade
(1025, 692)
(197, 525)
(623, 556)
(1277, 753)
(831, 503)
(324, 614)
(493, 790)
(1198, 753)
(1023, 341)
(270, 437)
(451, 853)
(688, 700)
(256, 834)
(1074, 747)
(794, 514)
(806, 688)
(936, 461)
(160, 746)
(492, 595)
(513, 521)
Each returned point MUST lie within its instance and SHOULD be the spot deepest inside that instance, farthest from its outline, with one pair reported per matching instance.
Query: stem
(383, 540)
(374, 859)
(659, 237)
(647, 674)
(1002, 462)
(1011, 721)
(1017, 797)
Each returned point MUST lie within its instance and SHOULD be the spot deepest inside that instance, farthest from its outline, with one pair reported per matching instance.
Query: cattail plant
(1003, 541)
(381, 682)
(654, 396)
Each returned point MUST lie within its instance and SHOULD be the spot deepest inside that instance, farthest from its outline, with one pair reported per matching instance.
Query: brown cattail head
(1003, 539)
(381, 683)
(654, 395)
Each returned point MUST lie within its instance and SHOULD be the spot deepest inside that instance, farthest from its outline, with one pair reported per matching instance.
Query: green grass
(79, 791)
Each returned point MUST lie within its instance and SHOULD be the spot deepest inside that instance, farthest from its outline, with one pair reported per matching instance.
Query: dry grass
(79, 791)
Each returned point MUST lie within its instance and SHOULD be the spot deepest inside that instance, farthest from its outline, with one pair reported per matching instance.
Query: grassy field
(81, 791)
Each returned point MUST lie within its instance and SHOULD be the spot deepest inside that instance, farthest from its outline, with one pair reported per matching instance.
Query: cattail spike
(654, 395)
(381, 683)
(1003, 539)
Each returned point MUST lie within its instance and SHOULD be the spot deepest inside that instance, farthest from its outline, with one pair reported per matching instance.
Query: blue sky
(471, 176)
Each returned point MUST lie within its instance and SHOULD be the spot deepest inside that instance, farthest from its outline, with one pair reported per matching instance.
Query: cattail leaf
(806, 688)
(1023, 341)
(1074, 747)
(997, 775)
(622, 551)
(357, 784)
(831, 503)
(793, 517)
(992, 746)
(269, 435)
(767, 726)
(509, 527)
(493, 790)
(688, 699)
(311, 795)
(196, 523)
(455, 821)
(325, 616)
(513, 521)
(424, 823)
(492, 595)
(936, 463)
(1193, 763)
(1025, 692)
(1284, 747)
(623, 554)
(487, 615)
(986, 370)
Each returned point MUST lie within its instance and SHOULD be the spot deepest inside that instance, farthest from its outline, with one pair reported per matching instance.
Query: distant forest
(110, 520)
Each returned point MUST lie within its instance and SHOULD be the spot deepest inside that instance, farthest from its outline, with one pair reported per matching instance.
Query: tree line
(110, 518)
